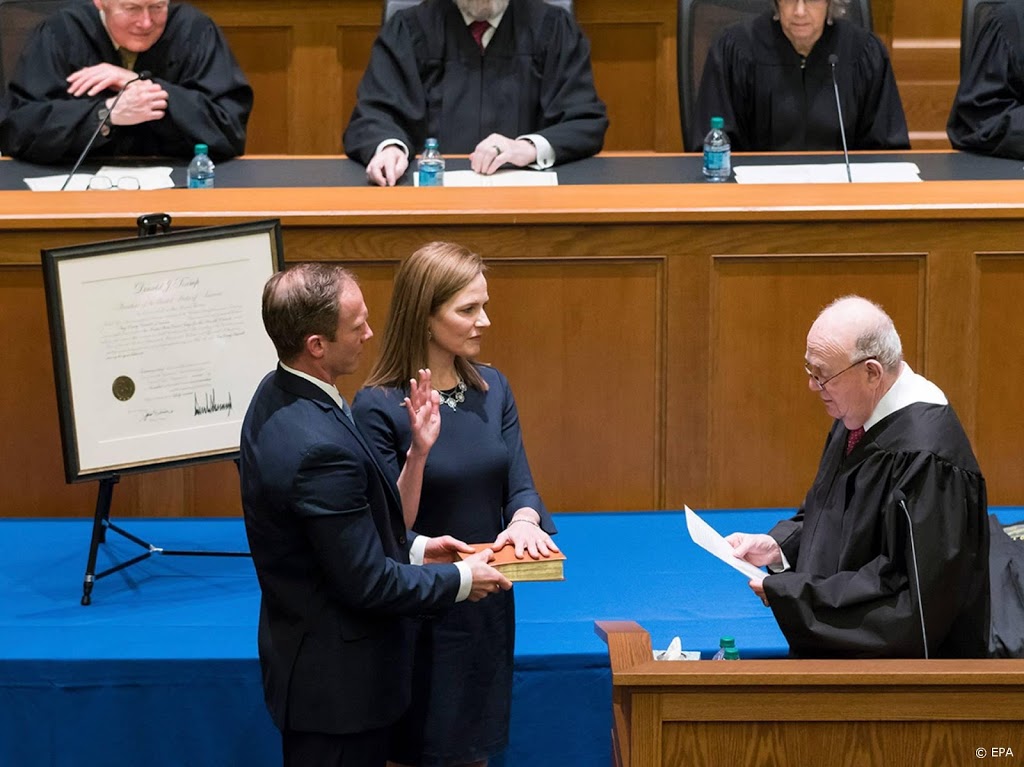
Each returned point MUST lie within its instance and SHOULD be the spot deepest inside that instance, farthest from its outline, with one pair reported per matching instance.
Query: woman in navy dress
(476, 486)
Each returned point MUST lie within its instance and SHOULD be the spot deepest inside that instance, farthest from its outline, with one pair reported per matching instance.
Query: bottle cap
(431, 142)
(717, 123)
(731, 653)
(202, 149)
(727, 642)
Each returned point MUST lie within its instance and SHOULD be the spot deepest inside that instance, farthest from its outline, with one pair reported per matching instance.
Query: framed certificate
(158, 345)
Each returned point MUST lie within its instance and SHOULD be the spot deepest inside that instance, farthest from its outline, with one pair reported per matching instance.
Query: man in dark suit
(327, 536)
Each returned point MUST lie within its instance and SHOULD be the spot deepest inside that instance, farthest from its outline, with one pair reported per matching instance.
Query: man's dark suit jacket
(331, 552)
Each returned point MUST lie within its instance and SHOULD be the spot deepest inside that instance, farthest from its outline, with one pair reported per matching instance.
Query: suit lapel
(300, 387)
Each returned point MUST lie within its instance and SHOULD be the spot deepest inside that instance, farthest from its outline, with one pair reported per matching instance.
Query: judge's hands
(423, 408)
(141, 101)
(497, 150)
(525, 534)
(486, 580)
(759, 550)
(89, 81)
(387, 166)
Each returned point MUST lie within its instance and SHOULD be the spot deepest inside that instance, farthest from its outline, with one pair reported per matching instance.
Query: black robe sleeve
(723, 85)
(391, 98)
(39, 121)
(871, 610)
(209, 99)
(880, 121)
(988, 111)
(572, 117)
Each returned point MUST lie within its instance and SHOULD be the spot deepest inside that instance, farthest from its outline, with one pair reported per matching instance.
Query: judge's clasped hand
(497, 150)
(141, 101)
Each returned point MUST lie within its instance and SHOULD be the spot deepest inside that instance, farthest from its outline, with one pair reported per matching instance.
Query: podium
(861, 713)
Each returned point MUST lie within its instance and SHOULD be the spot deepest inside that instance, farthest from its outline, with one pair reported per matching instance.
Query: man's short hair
(302, 301)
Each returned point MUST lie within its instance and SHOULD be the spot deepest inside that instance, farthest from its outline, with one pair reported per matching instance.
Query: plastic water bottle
(717, 152)
(200, 170)
(430, 166)
(727, 650)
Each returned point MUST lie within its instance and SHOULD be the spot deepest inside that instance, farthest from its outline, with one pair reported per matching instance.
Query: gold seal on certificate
(123, 388)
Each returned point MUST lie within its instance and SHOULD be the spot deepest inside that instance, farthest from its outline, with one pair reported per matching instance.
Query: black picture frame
(158, 345)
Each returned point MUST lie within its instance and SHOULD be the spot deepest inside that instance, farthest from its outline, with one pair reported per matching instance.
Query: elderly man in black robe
(81, 58)
(988, 111)
(889, 553)
(508, 82)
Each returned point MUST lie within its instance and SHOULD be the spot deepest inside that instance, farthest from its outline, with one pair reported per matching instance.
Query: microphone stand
(833, 59)
(99, 127)
(901, 500)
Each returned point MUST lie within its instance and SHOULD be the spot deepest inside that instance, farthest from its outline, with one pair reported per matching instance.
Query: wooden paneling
(263, 53)
(622, 59)
(653, 334)
(999, 341)
(936, 20)
(855, 713)
(927, 74)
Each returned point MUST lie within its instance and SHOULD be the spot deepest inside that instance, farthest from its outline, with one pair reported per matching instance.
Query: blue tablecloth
(161, 669)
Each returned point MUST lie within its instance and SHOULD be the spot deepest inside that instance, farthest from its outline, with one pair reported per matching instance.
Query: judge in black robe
(855, 581)
(774, 99)
(428, 78)
(988, 111)
(208, 97)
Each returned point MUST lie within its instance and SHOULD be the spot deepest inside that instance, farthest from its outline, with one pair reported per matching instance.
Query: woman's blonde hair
(425, 282)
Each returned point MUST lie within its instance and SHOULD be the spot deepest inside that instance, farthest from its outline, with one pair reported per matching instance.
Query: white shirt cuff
(545, 154)
(780, 568)
(392, 142)
(418, 549)
(467, 581)
(416, 554)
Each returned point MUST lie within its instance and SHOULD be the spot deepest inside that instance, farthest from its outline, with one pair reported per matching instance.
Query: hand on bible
(486, 580)
(444, 549)
(497, 150)
(95, 79)
(759, 550)
(525, 533)
(141, 102)
(387, 166)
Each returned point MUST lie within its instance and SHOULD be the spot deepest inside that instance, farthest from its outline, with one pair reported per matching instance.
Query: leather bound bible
(526, 569)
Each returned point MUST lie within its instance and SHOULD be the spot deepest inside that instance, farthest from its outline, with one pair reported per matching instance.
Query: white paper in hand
(705, 536)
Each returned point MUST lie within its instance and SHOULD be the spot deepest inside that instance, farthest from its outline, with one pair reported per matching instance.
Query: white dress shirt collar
(494, 21)
(909, 388)
(331, 391)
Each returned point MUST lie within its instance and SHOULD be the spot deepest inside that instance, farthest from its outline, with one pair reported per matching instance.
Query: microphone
(143, 75)
(901, 499)
(833, 59)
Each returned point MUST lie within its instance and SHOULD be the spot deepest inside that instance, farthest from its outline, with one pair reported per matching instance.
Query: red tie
(478, 29)
(853, 438)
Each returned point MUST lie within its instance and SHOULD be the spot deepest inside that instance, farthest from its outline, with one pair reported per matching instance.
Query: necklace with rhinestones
(454, 396)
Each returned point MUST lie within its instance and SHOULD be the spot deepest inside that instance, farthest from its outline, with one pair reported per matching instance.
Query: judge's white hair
(878, 337)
